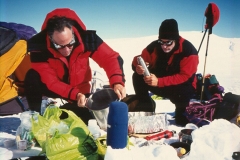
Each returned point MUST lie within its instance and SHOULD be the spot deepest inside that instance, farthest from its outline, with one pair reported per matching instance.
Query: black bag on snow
(228, 108)
(134, 105)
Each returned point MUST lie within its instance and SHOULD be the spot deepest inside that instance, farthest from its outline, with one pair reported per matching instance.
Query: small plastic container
(22, 145)
(24, 134)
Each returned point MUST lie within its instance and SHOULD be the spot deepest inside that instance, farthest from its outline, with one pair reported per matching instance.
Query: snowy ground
(222, 61)
(222, 58)
(9, 125)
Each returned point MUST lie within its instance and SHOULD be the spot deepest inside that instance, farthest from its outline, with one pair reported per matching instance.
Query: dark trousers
(35, 89)
(179, 95)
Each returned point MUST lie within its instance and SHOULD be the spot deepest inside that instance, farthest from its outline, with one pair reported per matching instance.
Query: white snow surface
(222, 59)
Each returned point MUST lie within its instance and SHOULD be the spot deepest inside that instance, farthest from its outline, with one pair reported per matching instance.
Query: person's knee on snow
(145, 102)
(33, 90)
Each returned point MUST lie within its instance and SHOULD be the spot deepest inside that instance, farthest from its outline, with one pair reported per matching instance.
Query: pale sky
(128, 19)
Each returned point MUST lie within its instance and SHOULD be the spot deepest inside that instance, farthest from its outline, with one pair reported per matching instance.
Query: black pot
(185, 136)
(182, 145)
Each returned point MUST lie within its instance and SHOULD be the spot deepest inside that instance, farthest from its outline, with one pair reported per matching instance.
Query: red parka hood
(77, 26)
(66, 12)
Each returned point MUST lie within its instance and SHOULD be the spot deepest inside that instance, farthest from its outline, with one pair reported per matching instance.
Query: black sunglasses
(167, 43)
(69, 45)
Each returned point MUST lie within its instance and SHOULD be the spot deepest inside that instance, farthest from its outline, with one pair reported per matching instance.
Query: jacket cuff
(73, 94)
(160, 82)
(116, 80)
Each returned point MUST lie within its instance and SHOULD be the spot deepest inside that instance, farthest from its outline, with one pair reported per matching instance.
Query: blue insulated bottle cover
(117, 128)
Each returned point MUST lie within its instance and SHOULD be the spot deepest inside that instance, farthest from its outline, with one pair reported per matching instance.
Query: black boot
(180, 118)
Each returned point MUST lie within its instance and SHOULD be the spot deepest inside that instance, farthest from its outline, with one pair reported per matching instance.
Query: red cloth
(187, 64)
(53, 70)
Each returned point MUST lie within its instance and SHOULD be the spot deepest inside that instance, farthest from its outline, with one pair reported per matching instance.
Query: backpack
(211, 87)
(229, 107)
(8, 39)
(203, 110)
(218, 107)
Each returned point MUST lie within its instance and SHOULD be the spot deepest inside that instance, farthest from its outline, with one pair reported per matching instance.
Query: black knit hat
(169, 29)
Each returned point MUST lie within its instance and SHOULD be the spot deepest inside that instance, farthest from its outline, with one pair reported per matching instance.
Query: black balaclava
(169, 30)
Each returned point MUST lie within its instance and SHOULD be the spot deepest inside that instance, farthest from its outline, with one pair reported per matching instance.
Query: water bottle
(43, 106)
(94, 128)
(158, 136)
(117, 125)
(24, 136)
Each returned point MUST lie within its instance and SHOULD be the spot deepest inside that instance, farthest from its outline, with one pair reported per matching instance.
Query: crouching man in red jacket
(60, 62)
(173, 63)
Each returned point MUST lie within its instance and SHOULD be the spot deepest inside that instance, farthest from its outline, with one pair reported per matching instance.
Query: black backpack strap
(37, 45)
(91, 40)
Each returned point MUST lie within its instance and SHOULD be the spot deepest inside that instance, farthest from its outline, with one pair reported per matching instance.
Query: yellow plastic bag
(76, 143)
(102, 146)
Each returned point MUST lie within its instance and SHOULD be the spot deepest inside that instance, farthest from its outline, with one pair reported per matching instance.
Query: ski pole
(205, 62)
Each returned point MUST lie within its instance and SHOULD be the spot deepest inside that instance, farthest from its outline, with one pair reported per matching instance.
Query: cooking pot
(185, 135)
(99, 103)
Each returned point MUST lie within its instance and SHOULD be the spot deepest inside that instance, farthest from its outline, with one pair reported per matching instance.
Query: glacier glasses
(167, 43)
(69, 45)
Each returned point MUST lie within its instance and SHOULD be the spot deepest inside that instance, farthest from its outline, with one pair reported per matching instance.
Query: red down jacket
(69, 77)
(177, 69)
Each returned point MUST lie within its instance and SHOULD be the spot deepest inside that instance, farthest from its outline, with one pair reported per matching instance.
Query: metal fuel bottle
(158, 136)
